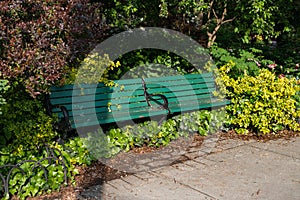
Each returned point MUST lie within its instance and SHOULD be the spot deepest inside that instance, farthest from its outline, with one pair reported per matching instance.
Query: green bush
(144, 57)
(100, 145)
(153, 134)
(33, 181)
(25, 130)
(25, 124)
(246, 61)
(263, 104)
(3, 88)
(203, 122)
(286, 55)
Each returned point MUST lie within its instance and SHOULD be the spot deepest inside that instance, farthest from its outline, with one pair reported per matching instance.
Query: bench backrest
(90, 104)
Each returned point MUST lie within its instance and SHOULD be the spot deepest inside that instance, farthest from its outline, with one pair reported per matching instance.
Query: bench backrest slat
(126, 100)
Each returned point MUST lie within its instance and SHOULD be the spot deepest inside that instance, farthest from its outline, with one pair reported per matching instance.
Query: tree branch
(209, 11)
(228, 20)
(220, 21)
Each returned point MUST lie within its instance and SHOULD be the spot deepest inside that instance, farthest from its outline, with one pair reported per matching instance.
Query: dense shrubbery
(42, 41)
(24, 123)
(41, 175)
(283, 57)
(3, 88)
(150, 133)
(39, 38)
(145, 57)
(286, 54)
(75, 151)
(262, 104)
(39, 42)
(245, 61)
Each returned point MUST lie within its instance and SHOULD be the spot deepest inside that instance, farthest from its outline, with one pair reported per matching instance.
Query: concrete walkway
(231, 169)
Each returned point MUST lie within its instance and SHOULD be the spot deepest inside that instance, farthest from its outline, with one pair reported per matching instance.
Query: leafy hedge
(25, 129)
(78, 151)
(263, 104)
(39, 39)
(246, 61)
(45, 172)
(150, 133)
(24, 122)
(3, 88)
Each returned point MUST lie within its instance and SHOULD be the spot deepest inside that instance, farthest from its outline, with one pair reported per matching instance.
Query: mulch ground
(98, 172)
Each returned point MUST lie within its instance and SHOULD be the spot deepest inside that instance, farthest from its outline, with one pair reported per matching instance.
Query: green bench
(87, 105)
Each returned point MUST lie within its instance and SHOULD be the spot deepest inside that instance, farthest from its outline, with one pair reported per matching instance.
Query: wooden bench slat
(126, 106)
(58, 92)
(181, 96)
(123, 116)
(180, 91)
(166, 78)
(127, 100)
(139, 107)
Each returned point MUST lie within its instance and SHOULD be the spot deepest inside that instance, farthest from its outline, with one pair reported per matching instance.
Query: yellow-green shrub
(262, 103)
(24, 125)
(94, 69)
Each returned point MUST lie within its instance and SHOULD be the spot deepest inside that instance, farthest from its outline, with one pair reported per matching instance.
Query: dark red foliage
(40, 38)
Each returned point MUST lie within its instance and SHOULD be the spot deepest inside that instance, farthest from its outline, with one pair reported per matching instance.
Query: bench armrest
(149, 96)
(64, 124)
(164, 98)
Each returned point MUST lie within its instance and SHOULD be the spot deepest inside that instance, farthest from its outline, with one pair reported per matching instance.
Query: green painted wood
(89, 121)
(129, 84)
(113, 117)
(89, 102)
(166, 78)
(102, 106)
(121, 97)
(142, 107)
(101, 92)
(131, 106)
